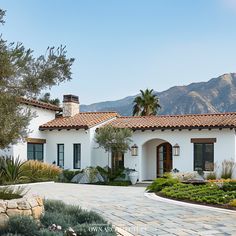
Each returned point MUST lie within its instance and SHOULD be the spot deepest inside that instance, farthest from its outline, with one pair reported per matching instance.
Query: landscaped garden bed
(209, 194)
(97, 176)
(218, 193)
(15, 171)
(22, 214)
(60, 219)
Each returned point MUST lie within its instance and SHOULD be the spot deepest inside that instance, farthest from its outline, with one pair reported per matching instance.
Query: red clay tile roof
(39, 104)
(82, 120)
(221, 120)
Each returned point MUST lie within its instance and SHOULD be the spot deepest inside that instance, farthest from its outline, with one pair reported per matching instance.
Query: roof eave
(64, 127)
(182, 127)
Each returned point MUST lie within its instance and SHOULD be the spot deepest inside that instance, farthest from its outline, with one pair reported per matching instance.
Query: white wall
(98, 155)
(224, 148)
(68, 138)
(7, 151)
(149, 162)
(90, 153)
(145, 162)
(41, 116)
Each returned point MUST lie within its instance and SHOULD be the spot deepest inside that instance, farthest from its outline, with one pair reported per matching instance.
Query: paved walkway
(128, 208)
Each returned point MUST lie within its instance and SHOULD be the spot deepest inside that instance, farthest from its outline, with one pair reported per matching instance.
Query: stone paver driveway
(128, 208)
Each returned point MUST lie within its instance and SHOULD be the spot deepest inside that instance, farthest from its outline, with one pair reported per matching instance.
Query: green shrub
(233, 203)
(229, 186)
(94, 230)
(209, 193)
(84, 229)
(46, 232)
(56, 212)
(23, 225)
(85, 223)
(57, 218)
(10, 234)
(116, 174)
(54, 206)
(11, 169)
(160, 183)
(40, 171)
(67, 175)
(89, 217)
(103, 172)
(9, 192)
(211, 175)
(6, 196)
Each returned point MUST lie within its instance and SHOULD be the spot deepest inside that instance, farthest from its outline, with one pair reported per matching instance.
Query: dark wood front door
(117, 161)
(164, 159)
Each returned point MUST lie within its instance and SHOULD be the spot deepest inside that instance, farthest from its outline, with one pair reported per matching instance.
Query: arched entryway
(156, 158)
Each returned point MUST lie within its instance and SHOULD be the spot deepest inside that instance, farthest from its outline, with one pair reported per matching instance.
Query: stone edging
(27, 206)
(153, 196)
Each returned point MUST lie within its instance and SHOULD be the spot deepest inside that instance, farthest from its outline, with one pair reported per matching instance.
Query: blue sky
(121, 46)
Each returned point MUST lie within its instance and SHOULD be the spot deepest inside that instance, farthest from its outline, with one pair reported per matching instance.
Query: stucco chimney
(70, 105)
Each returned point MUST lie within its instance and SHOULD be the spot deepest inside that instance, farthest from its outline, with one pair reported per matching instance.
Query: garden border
(154, 197)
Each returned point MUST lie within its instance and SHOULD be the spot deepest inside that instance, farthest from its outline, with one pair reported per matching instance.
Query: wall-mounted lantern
(134, 150)
(176, 150)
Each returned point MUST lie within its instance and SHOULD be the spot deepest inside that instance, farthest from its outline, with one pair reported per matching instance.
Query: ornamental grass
(41, 171)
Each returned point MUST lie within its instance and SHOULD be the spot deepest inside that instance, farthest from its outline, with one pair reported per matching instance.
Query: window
(77, 155)
(60, 155)
(35, 151)
(204, 156)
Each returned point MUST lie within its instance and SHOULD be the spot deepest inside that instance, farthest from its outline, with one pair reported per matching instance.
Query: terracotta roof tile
(221, 120)
(39, 104)
(82, 120)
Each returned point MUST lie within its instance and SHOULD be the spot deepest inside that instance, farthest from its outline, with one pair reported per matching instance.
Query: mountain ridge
(214, 96)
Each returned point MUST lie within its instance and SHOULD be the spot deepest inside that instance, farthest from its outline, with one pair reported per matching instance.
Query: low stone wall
(28, 206)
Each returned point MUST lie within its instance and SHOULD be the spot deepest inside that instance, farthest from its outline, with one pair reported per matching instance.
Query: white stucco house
(65, 136)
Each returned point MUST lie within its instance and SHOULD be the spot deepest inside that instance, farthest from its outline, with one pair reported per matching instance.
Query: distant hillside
(216, 95)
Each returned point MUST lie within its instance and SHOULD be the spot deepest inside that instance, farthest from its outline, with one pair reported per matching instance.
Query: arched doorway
(156, 158)
(164, 158)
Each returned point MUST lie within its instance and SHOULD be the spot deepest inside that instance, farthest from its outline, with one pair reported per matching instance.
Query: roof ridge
(35, 102)
(96, 112)
(182, 115)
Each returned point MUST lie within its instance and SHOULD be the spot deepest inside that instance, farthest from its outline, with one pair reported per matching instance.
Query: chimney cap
(70, 98)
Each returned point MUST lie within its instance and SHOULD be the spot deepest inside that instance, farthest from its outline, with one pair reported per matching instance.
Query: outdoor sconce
(176, 150)
(134, 150)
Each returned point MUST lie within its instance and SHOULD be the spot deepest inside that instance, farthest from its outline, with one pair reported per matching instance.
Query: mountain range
(215, 95)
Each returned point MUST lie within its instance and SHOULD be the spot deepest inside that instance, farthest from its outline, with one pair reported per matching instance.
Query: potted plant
(133, 175)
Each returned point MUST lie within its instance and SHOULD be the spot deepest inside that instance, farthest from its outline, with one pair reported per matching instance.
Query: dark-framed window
(35, 151)
(60, 155)
(204, 156)
(77, 155)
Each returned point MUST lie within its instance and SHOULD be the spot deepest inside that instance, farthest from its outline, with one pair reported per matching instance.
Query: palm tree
(146, 104)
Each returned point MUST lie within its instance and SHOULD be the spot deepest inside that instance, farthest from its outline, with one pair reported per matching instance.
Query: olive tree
(113, 139)
(24, 75)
